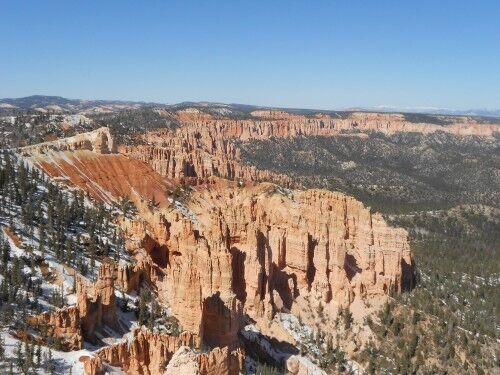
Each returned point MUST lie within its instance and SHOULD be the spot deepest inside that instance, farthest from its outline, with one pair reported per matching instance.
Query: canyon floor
(213, 239)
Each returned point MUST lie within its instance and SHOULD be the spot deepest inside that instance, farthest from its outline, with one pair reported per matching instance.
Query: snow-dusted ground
(64, 361)
(184, 210)
(253, 335)
(23, 244)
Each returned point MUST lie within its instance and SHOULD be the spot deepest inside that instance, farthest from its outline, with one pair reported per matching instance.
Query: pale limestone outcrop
(297, 365)
(183, 362)
(99, 141)
(216, 362)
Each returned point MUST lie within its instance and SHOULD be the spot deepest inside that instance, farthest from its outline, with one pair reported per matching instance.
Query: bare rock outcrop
(183, 362)
(297, 365)
(92, 365)
(147, 353)
(63, 324)
(96, 302)
(99, 141)
(95, 307)
(220, 361)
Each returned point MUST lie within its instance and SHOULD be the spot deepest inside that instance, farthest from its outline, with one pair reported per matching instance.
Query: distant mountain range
(435, 111)
(43, 103)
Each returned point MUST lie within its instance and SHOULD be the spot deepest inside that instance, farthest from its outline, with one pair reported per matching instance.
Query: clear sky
(309, 54)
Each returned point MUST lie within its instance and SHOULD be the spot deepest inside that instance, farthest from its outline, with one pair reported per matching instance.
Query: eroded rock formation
(203, 146)
(63, 324)
(96, 302)
(223, 252)
(146, 353)
(95, 307)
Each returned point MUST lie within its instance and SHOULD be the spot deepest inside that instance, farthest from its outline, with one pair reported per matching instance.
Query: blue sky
(309, 54)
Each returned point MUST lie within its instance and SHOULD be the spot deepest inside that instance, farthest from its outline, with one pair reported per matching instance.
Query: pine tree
(347, 315)
(49, 363)
(143, 307)
(5, 253)
(2, 348)
(16, 272)
(38, 354)
(18, 352)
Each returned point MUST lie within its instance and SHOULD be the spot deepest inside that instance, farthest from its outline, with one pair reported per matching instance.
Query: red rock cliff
(146, 353)
(96, 302)
(232, 251)
(202, 146)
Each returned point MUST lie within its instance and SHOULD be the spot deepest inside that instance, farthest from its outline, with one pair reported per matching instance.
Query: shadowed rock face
(96, 302)
(315, 241)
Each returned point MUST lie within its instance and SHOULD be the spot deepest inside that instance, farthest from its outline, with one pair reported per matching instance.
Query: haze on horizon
(284, 54)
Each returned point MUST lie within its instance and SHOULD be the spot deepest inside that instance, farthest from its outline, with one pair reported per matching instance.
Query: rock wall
(146, 353)
(234, 251)
(203, 146)
(96, 302)
(99, 141)
(284, 243)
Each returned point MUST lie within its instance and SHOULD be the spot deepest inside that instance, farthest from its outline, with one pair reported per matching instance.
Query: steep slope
(89, 161)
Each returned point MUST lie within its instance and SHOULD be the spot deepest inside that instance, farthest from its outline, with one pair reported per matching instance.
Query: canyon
(220, 248)
(205, 145)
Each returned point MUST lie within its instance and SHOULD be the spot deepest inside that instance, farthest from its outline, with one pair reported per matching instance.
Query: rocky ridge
(98, 141)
